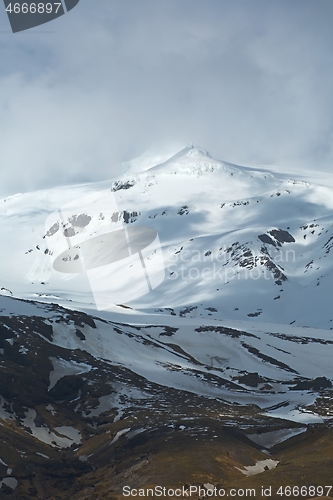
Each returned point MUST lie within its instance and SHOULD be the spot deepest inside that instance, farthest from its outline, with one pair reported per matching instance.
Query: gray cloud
(250, 81)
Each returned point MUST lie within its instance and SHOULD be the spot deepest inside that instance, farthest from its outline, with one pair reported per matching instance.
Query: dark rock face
(81, 220)
(183, 210)
(53, 229)
(282, 236)
(254, 314)
(118, 185)
(125, 216)
(266, 239)
(251, 379)
(315, 384)
(80, 334)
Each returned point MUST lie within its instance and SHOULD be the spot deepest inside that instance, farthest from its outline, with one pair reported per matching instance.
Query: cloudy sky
(249, 80)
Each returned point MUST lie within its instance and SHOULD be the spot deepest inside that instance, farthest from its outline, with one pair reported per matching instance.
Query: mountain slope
(238, 243)
(89, 405)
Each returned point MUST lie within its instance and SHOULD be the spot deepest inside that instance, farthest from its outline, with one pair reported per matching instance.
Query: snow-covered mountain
(238, 243)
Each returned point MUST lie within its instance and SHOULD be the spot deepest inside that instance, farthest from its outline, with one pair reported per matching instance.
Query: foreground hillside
(82, 416)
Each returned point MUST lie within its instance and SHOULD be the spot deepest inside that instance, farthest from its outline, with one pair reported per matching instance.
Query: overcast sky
(250, 81)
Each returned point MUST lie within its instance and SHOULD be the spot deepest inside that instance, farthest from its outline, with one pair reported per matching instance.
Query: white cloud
(249, 81)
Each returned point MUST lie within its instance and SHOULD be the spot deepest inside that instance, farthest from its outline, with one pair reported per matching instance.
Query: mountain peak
(196, 151)
(159, 155)
(191, 160)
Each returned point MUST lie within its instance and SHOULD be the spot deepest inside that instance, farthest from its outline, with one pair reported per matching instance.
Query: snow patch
(260, 466)
(120, 433)
(69, 435)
